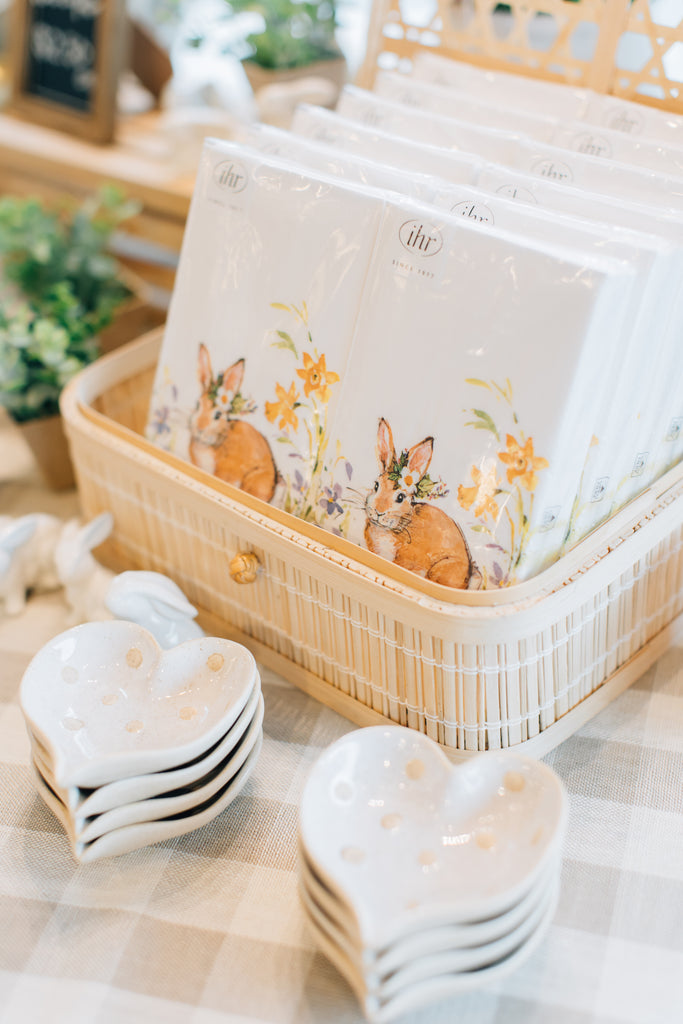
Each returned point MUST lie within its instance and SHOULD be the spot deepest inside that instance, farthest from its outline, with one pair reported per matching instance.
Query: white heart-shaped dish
(177, 801)
(378, 966)
(409, 841)
(88, 803)
(106, 702)
(380, 1008)
(134, 837)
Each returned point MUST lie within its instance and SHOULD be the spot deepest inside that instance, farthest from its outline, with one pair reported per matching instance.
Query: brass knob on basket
(244, 567)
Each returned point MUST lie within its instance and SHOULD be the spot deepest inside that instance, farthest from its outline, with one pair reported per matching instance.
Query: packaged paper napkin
(422, 126)
(650, 440)
(326, 126)
(657, 267)
(563, 101)
(272, 267)
(608, 177)
(467, 408)
(504, 114)
(337, 162)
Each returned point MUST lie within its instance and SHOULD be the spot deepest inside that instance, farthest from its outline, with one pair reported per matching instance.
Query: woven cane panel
(649, 58)
(634, 49)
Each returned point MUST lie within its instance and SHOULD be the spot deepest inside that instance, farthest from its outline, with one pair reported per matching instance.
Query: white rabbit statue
(85, 581)
(14, 573)
(156, 603)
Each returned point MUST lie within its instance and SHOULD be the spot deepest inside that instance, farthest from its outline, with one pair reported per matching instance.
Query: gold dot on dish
(486, 839)
(514, 781)
(134, 726)
(415, 769)
(391, 821)
(110, 698)
(536, 837)
(187, 713)
(412, 905)
(427, 858)
(134, 658)
(353, 854)
(215, 662)
(72, 724)
(69, 674)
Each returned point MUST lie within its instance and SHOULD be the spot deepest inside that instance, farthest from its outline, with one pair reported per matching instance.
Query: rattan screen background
(630, 49)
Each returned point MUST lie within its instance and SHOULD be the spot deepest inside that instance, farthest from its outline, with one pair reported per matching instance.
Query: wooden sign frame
(96, 124)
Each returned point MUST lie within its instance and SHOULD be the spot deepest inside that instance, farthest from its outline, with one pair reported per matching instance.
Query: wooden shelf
(49, 164)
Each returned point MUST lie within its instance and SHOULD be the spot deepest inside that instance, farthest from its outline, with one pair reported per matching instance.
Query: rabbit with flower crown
(409, 531)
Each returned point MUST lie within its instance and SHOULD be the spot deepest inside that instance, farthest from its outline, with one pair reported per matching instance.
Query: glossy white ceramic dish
(381, 1008)
(86, 803)
(176, 801)
(378, 964)
(133, 837)
(106, 702)
(408, 842)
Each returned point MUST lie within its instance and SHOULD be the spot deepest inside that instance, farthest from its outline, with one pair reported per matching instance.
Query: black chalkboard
(67, 62)
(62, 50)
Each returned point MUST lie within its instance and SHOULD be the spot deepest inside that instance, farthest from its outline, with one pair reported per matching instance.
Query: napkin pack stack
(369, 330)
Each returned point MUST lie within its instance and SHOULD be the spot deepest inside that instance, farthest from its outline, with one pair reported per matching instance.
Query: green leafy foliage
(59, 287)
(295, 33)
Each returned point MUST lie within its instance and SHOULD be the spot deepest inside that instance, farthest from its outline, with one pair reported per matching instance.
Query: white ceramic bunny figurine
(85, 581)
(14, 574)
(155, 602)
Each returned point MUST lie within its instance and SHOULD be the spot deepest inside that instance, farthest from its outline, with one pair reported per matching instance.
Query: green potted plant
(59, 289)
(298, 37)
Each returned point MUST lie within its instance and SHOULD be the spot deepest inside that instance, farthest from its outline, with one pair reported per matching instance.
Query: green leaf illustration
(285, 342)
(280, 305)
(483, 422)
(478, 383)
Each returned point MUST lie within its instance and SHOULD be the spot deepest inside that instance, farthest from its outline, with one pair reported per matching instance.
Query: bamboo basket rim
(602, 546)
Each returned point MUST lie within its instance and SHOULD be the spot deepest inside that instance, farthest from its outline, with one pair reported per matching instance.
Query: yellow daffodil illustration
(284, 408)
(483, 494)
(521, 462)
(317, 378)
(311, 488)
(508, 502)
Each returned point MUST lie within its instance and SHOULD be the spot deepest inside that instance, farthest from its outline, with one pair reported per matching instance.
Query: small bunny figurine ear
(17, 532)
(155, 602)
(97, 530)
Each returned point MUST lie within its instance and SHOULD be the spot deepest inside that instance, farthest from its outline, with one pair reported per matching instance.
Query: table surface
(207, 928)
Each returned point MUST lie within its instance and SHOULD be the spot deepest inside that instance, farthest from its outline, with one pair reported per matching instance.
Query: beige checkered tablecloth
(207, 928)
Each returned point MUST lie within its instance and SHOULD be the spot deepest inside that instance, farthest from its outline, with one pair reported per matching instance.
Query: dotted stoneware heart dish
(105, 702)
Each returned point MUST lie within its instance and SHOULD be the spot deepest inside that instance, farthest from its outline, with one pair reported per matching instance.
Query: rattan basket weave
(474, 671)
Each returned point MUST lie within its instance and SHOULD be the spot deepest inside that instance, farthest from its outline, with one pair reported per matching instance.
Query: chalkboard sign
(67, 57)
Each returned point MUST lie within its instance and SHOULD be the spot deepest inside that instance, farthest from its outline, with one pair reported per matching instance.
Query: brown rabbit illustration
(414, 534)
(228, 448)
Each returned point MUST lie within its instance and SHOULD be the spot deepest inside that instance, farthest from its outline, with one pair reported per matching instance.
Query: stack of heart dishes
(132, 744)
(421, 879)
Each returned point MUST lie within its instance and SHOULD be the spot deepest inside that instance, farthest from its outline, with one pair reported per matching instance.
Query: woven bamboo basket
(627, 48)
(520, 667)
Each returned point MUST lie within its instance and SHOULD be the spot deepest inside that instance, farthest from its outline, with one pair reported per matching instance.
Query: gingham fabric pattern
(207, 928)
